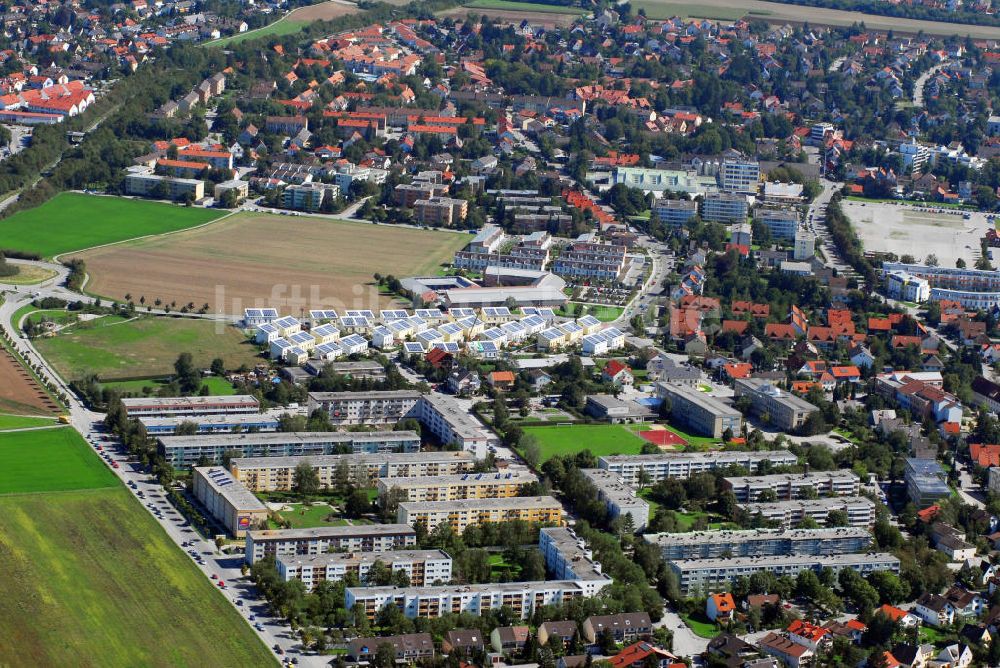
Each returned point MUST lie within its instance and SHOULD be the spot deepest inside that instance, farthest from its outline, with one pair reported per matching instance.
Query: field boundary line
(41, 427)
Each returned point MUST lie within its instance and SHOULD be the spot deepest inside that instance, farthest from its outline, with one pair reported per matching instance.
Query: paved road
(88, 423)
(918, 86)
(686, 643)
(815, 222)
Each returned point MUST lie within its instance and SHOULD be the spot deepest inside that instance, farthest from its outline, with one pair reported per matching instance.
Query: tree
(218, 367)
(186, 374)
(305, 479)
(931, 260)
(357, 504)
(385, 654)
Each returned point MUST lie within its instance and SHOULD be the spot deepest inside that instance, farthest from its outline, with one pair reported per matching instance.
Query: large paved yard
(917, 231)
(255, 259)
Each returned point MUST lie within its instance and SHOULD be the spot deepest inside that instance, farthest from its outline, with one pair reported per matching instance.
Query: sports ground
(260, 259)
(99, 581)
(600, 439)
(74, 221)
(113, 347)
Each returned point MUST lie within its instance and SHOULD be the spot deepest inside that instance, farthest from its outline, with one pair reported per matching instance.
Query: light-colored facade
(456, 487)
(468, 512)
(423, 567)
(387, 407)
(783, 410)
(227, 500)
(451, 423)
(276, 474)
(972, 288)
(308, 196)
(686, 464)
(860, 510)
(905, 286)
(724, 208)
(699, 412)
(926, 481)
(790, 486)
(567, 558)
(783, 223)
(674, 212)
(174, 188)
(739, 176)
(759, 542)
(620, 499)
(189, 406)
(360, 538)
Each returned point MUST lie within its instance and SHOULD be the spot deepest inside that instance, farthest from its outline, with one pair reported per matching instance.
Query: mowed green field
(73, 221)
(91, 580)
(524, 6)
(600, 439)
(23, 421)
(216, 386)
(145, 346)
(49, 460)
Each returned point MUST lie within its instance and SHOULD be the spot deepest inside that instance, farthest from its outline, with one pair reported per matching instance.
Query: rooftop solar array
(360, 314)
(323, 314)
(413, 347)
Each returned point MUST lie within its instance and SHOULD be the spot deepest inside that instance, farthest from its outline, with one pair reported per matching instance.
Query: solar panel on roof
(413, 347)
(462, 312)
(364, 313)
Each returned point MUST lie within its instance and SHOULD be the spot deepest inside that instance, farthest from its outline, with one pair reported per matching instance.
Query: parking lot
(918, 231)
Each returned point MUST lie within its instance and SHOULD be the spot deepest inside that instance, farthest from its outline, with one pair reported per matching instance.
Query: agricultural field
(600, 439)
(536, 13)
(514, 5)
(775, 12)
(113, 347)
(49, 460)
(73, 221)
(104, 586)
(294, 21)
(8, 422)
(20, 393)
(259, 259)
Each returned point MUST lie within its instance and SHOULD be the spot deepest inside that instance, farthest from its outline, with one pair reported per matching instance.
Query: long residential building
(972, 288)
(760, 542)
(276, 474)
(620, 499)
(700, 412)
(783, 409)
(686, 464)
(469, 512)
(567, 558)
(860, 510)
(372, 408)
(452, 424)
(423, 567)
(591, 260)
(227, 500)
(456, 487)
(704, 576)
(360, 538)
(161, 407)
(186, 451)
(787, 486)
(523, 598)
(222, 423)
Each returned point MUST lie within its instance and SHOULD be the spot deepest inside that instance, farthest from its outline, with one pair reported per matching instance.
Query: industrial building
(468, 512)
(423, 567)
(227, 500)
(358, 538)
(185, 451)
(456, 487)
(700, 412)
(686, 464)
(276, 474)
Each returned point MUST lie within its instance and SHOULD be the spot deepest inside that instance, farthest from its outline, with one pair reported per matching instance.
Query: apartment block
(783, 223)
(457, 487)
(714, 575)
(699, 412)
(451, 423)
(443, 211)
(276, 474)
(468, 512)
(674, 212)
(567, 558)
(308, 196)
(760, 542)
(972, 288)
(148, 184)
(223, 423)
(423, 567)
(189, 406)
(227, 500)
(788, 486)
(406, 194)
(591, 259)
(620, 499)
(185, 451)
(860, 510)
(784, 410)
(686, 464)
(739, 176)
(926, 481)
(724, 208)
(386, 407)
(523, 598)
(359, 538)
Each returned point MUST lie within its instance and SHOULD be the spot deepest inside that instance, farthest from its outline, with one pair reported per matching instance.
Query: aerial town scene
(500, 334)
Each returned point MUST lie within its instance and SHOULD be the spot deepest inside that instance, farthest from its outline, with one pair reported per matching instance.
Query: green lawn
(216, 386)
(602, 313)
(279, 28)
(600, 439)
(22, 421)
(73, 221)
(524, 6)
(91, 580)
(701, 625)
(929, 634)
(307, 517)
(146, 346)
(49, 460)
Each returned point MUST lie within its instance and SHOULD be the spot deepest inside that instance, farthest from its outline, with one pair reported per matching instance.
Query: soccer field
(600, 439)
(49, 460)
(73, 221)
(91, 580)
(145, 346)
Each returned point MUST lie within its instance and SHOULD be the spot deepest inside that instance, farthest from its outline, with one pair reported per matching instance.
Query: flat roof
(298, 560)
(785, 560)
(360, 458)
(699, 399)
(827, 503)
(613, 488)
(482, 504)
(777, 478)
(232, 490)
(282, 437)
(213, 419)
(753, 535)
(332, 532)
(349, 396)
(194, 402)
(517, 476)
(493, 587)
(715, 456)
(459, 419)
